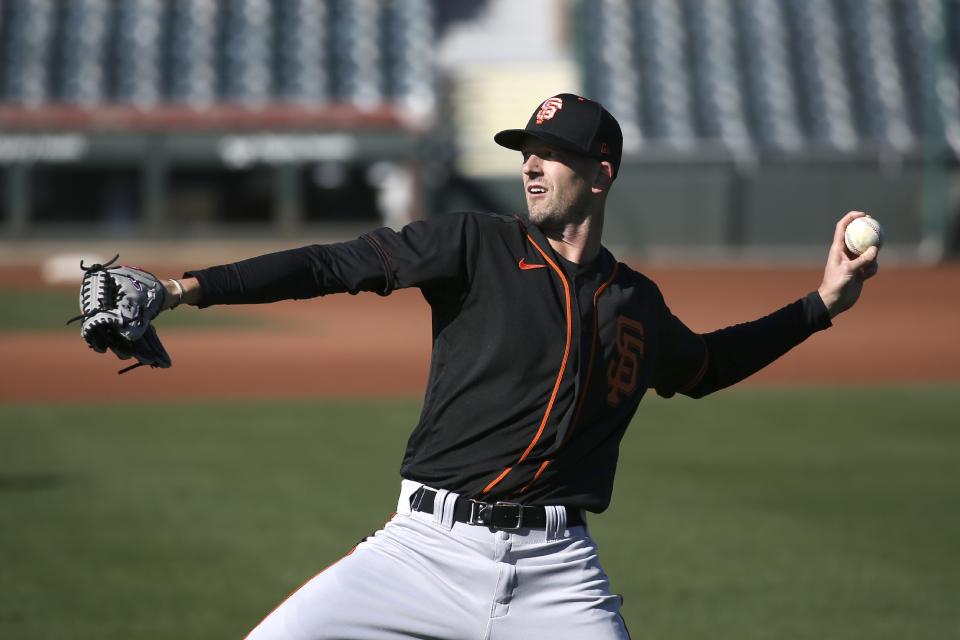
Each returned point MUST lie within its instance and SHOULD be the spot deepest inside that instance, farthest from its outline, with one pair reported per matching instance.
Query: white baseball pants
(425, 576)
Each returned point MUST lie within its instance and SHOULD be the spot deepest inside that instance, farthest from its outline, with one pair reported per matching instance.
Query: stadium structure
(750, 125)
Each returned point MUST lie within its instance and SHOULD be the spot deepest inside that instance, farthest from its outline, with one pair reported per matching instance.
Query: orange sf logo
(622, 372)
(549, 109)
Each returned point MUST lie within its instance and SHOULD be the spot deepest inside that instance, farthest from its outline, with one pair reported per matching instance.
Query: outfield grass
(754, 514)
(48, 309)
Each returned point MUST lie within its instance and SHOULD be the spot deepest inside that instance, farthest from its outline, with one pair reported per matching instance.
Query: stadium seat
(769, 89)
(136, 57)
(79, 73)
(301, 50)
(825, 102)
(246, 53)
(28, 32)
(661, 53)
(191, 76)
(716, 72)
(875, 74)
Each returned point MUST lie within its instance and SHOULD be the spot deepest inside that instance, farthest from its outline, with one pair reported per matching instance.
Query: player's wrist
(174, 293)
(831, 300)
(189, 291)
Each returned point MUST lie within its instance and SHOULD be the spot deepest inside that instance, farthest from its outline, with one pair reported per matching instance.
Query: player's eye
(543, 154)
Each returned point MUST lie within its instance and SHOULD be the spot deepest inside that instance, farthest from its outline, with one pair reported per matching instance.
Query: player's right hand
(844, 273)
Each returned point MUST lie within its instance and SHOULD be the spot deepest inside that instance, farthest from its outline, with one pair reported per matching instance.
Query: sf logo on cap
(549, 109)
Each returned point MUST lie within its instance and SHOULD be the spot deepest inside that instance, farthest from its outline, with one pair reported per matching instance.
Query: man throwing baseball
(543, 347)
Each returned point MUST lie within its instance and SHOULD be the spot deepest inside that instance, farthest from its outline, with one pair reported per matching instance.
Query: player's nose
(531, 164)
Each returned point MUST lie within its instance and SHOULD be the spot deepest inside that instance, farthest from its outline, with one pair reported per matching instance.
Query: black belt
(496, 515)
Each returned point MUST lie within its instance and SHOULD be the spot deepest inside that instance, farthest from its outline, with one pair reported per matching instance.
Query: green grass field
(755, 514)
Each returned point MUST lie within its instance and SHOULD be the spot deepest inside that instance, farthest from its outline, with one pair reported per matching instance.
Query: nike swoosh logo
(526, 267)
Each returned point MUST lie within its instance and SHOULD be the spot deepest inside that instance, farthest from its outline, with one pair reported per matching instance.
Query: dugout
(223, 170)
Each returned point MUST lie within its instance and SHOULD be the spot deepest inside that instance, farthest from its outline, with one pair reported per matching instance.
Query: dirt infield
(906, 329)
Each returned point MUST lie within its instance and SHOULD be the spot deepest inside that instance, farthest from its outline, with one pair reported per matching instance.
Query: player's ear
(603, 178)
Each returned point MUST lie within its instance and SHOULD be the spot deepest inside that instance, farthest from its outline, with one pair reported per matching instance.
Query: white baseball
(863, 233)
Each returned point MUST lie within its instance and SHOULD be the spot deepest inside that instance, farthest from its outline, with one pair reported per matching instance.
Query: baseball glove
(117, 305)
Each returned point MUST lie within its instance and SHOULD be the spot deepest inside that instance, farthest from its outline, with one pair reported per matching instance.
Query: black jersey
(538, 363)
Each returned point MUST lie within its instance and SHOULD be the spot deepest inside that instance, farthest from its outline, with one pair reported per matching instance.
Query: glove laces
(107, 296)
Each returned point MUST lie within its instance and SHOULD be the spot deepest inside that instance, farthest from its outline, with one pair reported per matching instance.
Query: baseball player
(543, 347)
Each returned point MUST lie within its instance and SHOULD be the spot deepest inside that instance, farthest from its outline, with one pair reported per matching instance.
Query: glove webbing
(108, 297)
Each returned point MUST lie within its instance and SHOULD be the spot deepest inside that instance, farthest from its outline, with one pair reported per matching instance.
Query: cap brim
(514, 139)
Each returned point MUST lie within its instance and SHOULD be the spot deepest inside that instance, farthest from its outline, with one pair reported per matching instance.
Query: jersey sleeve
(435, 255)
(430, 254)
(698, 364)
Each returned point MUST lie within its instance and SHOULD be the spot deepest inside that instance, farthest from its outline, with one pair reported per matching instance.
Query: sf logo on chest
(625, 366)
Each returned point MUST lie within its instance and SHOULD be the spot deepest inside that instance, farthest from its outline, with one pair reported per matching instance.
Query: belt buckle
(506, 515)
(479, 513)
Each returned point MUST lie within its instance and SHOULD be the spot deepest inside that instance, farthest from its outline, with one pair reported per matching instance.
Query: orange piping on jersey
(586, 385)
(563, 367)
(503, 474)
(703, 369)
(543, 467)
(593, 351)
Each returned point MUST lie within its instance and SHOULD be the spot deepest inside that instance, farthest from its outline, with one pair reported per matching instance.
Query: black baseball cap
(572, 123)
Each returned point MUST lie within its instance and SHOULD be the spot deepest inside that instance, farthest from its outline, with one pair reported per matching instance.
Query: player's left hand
(117, 305)
(844, 274)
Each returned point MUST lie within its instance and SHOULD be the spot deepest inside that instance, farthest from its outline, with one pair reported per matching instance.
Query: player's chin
(537, 212)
